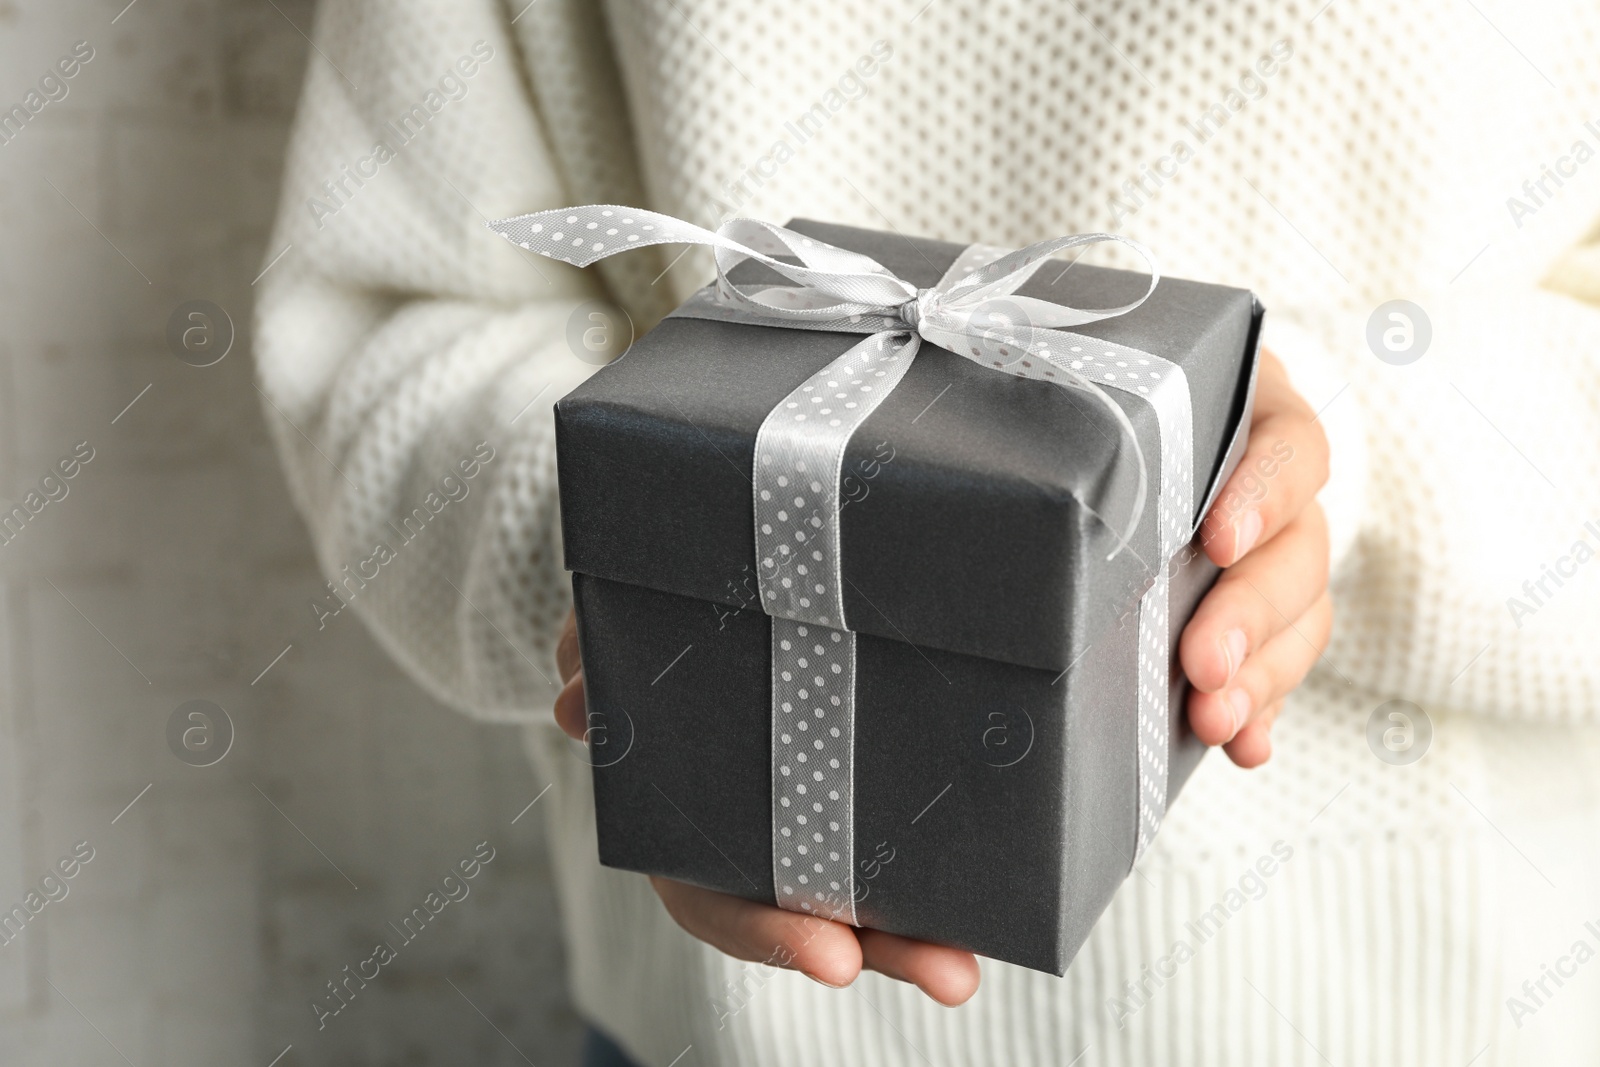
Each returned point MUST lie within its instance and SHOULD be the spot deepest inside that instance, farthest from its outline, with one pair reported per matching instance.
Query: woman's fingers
(1282, 663)
(1253, 746)
(567, 661)
(571, 714)
(572, 709)
(1253, 600)
(830, 952)
(948, 975)
(1285, 463)
(818, 948)
(1260, 686)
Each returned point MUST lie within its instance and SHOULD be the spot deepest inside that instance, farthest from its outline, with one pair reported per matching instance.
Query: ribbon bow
(974, 312)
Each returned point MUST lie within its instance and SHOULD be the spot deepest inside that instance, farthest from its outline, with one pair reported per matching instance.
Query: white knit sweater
(1330, 159)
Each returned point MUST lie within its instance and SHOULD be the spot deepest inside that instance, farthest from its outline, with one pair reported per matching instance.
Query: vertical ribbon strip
(799, 454)
(799, 460)
(1164, 385)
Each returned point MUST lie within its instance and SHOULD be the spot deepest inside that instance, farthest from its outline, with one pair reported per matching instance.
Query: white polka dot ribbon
(973, 311)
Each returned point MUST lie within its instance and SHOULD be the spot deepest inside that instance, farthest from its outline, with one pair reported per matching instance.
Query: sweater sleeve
(408, 358)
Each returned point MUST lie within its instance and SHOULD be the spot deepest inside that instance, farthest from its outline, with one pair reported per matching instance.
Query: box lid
(964, 525)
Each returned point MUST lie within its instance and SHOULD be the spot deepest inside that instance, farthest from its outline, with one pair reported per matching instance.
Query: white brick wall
(175, 569)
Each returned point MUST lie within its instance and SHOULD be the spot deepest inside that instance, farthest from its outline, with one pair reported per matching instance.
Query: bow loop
(827, 278)
(1004, 276)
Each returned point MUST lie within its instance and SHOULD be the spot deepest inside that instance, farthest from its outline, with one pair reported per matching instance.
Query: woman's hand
(1266, 621)
(829, 952)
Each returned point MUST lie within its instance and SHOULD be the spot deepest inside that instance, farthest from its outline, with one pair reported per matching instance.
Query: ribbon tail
(582, 235)
(830, 282)
(1143, 489)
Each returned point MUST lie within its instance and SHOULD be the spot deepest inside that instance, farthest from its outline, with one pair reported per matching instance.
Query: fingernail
(1234, 646)
(1239, 700)
(820, 981)
(1246, 533)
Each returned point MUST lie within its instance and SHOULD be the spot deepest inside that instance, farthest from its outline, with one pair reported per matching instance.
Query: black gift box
(996, 775)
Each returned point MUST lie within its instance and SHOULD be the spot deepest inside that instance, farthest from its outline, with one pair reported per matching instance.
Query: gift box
(1001, 768)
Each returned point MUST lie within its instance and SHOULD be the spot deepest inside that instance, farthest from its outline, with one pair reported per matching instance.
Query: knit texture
(1333, 157)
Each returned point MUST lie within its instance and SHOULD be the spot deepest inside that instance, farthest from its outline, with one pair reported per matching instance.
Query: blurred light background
(221, 902)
